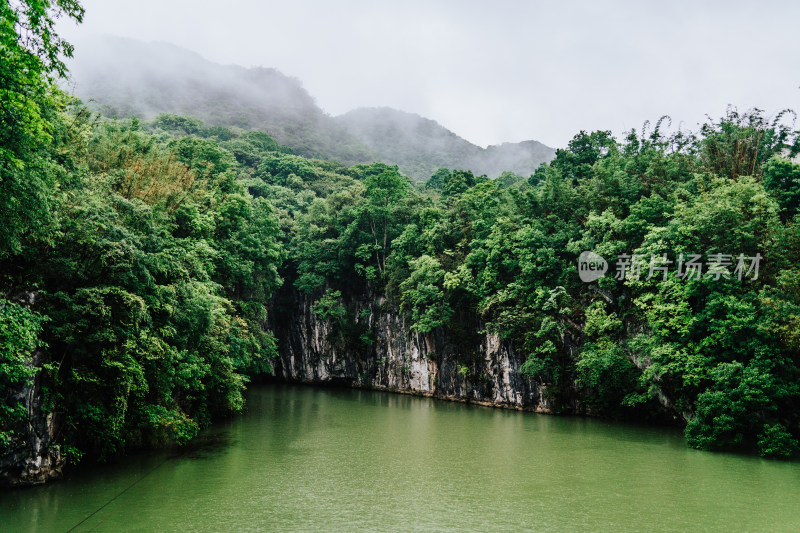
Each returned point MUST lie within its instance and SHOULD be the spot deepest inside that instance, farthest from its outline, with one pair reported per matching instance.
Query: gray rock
(400, 360)
(32, 457)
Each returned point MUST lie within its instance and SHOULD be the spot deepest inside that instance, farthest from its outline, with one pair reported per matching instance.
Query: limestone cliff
(31, 457)
(395, 358)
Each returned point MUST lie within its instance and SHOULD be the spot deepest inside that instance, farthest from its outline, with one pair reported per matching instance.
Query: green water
(329, 459)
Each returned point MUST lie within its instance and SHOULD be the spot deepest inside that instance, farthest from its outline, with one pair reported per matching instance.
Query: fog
(504, 72)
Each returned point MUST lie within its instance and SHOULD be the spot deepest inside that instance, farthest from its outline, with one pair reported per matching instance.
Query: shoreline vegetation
(141, 262)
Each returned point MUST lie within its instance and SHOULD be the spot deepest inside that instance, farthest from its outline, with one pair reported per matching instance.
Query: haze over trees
(421, 146)
(118, 78)
(140, 258)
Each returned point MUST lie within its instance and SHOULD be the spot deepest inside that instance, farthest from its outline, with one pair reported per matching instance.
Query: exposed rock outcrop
(31, 457)
(397, 359)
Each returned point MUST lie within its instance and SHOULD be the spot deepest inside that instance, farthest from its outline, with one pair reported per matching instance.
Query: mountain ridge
(119, 77)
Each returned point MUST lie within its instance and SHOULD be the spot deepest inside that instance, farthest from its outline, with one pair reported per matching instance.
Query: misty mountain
(123, 77)
(420, 145)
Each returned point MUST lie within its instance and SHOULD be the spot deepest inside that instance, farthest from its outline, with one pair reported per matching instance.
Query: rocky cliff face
(31, 457)
(312, 350)
(396, 359)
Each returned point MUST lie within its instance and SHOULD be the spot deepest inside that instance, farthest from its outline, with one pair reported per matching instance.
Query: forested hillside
(715, 348)
(138, 262)
(118, 78)
(420, 146)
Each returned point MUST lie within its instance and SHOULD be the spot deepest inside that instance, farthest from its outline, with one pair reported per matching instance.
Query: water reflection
(302, 458)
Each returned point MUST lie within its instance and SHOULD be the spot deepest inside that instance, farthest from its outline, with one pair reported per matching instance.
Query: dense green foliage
(31, 56)
(19, 337)
(466, 253)
(155, 280)
(149, 262)
(155, 250)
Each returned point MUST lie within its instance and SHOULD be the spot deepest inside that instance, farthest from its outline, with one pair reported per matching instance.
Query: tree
(31, 59)
(782, 178)
(384, 192)
(423, 294)
(438, 179)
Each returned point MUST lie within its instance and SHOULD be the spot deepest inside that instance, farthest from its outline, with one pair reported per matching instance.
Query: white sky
(494, 71)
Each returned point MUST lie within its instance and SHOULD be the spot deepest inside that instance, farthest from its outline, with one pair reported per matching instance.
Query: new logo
(591, 266)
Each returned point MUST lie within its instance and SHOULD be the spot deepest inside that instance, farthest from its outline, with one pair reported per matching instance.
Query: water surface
(307, 459)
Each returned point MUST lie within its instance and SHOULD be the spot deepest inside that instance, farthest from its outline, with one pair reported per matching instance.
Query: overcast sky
(499, 71)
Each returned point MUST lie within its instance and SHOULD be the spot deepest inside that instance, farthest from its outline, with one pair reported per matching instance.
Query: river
(309, 459)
